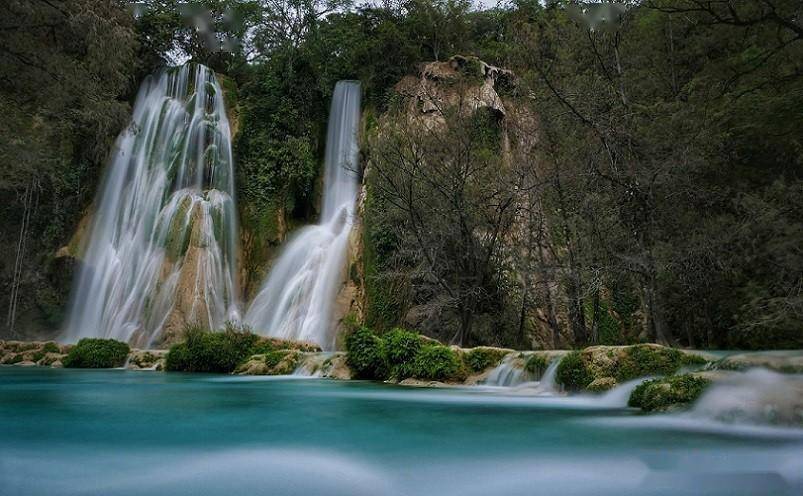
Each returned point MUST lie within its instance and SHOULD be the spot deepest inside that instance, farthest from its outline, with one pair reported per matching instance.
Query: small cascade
(161, 251)
(510, 372)
(297, 297)
(757, 396)
(548, 382)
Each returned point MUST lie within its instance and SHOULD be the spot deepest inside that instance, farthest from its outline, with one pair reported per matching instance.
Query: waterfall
(162, 248)
(296, 299)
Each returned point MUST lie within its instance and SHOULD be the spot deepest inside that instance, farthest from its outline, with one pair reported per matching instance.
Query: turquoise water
(115, 432)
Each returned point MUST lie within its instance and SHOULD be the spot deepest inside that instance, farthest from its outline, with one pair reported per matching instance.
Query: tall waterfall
(296, 299)
(163, 243)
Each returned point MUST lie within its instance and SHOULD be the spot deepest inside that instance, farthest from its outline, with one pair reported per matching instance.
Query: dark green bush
(206, 351)
(644, 360)
(660, 394)
(438, 363)
(366, 354)
(94, 353)
(481, 358)
(401, 347)
(572, 372)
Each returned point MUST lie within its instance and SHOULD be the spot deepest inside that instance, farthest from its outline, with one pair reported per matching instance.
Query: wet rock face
(464, 82)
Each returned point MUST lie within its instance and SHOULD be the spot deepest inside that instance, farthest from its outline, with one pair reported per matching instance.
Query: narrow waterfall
(162, 248)
(296, 299)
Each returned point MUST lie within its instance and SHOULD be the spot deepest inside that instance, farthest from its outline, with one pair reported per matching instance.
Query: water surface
(119, 432)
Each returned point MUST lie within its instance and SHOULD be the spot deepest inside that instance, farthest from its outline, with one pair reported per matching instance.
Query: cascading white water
(296, 299)
(162, 248)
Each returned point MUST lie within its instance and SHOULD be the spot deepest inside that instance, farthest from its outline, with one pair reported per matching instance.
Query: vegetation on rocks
(616, 364)
(668, 392)
(402, 354)
(95, 353)
(207, 351)
(483, 357)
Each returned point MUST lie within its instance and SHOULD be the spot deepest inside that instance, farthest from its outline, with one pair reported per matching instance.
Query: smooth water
(161, 250)
(297, 297)
(72, 432)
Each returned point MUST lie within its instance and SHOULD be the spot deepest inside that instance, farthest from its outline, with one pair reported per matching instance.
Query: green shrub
(94, 353)
(206, 351)
(438, 363)
(401, 347)
(365, 354)
(481, 358)
(572, 373)
(660, 394)
(51, 347)
(536, 365)
(643, 360)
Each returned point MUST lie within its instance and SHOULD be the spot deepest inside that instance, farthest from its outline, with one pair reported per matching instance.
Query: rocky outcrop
(146, 360)
(308, 364)
(31, 353)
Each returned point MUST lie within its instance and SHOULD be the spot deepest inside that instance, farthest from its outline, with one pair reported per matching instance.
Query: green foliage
(366, 354)
(438, 363)
(401, 347)
(572, 372)
(481, 358)
(661, 394)
(207, 351)
(94, 353)
(644, 360)
(536, 365)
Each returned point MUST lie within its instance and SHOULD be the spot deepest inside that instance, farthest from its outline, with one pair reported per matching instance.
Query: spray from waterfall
(162, 248)
(296, 299)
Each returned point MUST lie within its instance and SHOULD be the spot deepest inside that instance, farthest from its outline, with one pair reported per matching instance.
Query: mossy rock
(622, 363)
(601, 384)
(277, 362)
(485, 357)
(95, 353)
(667, 393)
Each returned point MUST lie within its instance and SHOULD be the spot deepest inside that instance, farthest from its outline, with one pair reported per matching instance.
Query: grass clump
(95, 353)
(572, 373)
(482, 357)
(207, 351)
(366, 355)
(661, 394)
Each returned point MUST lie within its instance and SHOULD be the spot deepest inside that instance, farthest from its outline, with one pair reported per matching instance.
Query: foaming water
(296, 299)
(757, 396)
(162, 247)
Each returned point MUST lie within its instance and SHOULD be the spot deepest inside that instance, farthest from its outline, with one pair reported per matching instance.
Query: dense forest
(639, 179)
